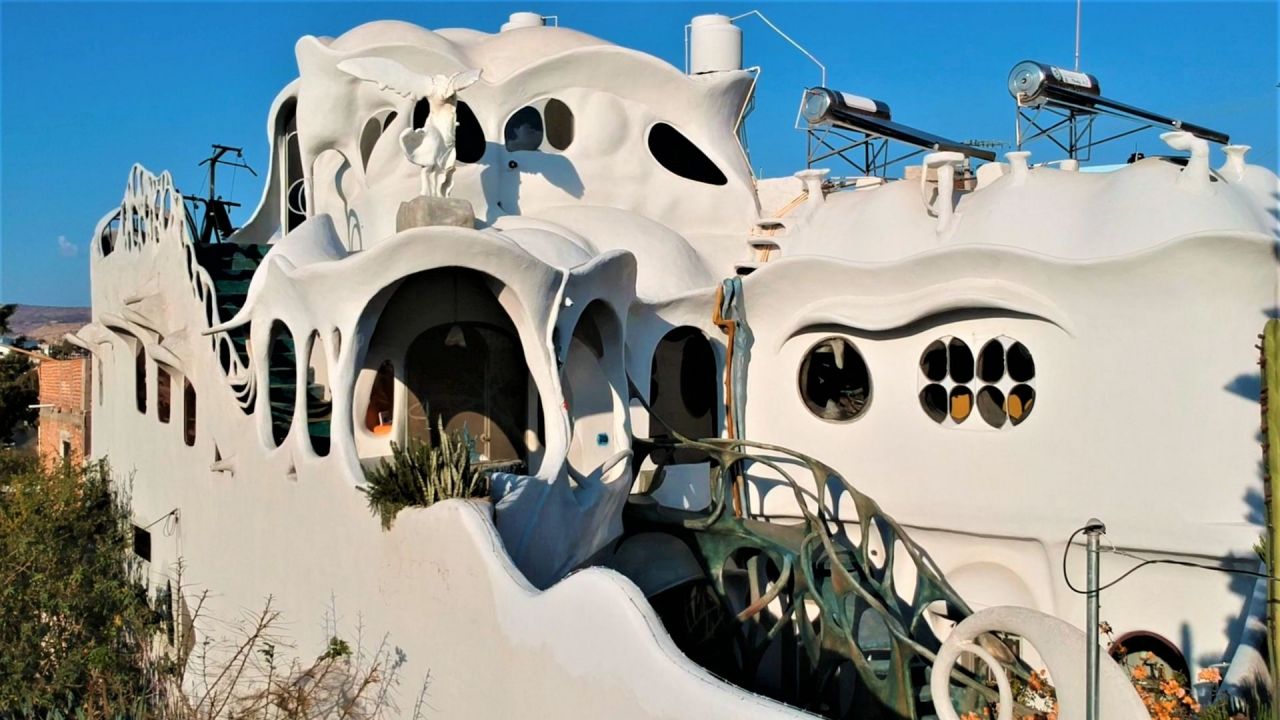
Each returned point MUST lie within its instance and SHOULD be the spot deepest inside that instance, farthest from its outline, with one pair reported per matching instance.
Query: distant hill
(45, 323)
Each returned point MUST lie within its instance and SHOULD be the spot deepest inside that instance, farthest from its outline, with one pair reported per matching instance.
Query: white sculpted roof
(500, 54)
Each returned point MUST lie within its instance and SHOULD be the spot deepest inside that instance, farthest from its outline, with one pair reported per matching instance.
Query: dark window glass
(682, 391)
(991, 361)
(142, 543)
(1021, 367)
(933, 398)
(164, 394)
(834, 380)
(678, 154)
(282, 380)
(933, 363)
(378, 414)
(421, 111)
(559, 119)
(961, 358)
(991, 405)
(140, 378)
(188, 413)
(524, 130)
(470, 139)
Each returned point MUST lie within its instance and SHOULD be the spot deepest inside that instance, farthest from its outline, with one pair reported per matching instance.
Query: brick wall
(64, 424)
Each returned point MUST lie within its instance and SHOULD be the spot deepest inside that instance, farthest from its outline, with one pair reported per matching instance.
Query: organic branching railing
(153, 212)
(838, 596)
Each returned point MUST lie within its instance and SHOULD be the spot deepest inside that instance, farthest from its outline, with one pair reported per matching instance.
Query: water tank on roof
(715, 44)
(522, 20)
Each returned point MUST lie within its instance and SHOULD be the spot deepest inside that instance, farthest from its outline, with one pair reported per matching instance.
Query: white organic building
(994, 352)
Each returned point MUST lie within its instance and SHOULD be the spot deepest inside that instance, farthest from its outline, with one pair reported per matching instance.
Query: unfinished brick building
(64, 409)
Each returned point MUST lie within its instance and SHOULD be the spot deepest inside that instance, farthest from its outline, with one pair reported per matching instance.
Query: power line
(1144, 563)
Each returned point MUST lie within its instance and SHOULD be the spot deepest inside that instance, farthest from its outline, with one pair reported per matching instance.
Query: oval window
(559, 120)
(834, 381)
(470, 136)
(524, 130)
(679, 155)
(282, 388)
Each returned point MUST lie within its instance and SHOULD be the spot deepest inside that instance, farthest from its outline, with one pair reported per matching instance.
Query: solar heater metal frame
(1075, 120)
(874, 146)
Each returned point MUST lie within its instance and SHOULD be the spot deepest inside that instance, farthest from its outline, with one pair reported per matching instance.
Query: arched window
(682, 389)
(680, 156)
(470, 136)
(293, 190)
(140, 377)
(319, 397)
(834, 380)
(379, 414)
(164, 393)
(472, 376)
(188, 412)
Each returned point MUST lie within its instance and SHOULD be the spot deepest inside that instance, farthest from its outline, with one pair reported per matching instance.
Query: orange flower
(1140, 672)
(1170, 687)
(1213, 675)
(969, 716)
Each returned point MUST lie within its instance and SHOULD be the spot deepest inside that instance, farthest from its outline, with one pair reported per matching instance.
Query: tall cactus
(1270, 400)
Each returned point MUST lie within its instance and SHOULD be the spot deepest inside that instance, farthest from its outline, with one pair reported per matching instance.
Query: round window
(834, 381)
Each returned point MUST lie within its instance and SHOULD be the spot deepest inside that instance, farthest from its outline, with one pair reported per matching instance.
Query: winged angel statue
(432, 147)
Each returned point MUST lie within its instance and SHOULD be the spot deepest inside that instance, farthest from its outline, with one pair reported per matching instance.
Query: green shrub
(74, 613)
(423, 474)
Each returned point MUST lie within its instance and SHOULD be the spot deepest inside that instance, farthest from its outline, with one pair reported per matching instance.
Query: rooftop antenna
(215, 222)
(1078, 3)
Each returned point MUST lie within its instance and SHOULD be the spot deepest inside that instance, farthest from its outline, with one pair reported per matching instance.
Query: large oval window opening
(679, 155)
(282, 389)
(682, 390)
(834, 380)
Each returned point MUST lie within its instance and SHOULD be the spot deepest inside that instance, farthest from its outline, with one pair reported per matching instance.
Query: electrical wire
(173, 515)
(1144, 563)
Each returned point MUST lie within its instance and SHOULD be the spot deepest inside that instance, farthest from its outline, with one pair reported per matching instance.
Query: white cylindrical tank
(715, 44)
(522, 20)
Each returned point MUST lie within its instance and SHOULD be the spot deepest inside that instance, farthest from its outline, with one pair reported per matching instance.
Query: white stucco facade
(1134, 299)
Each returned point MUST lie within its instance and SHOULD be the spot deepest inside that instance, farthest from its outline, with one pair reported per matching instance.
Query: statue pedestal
(424, 211)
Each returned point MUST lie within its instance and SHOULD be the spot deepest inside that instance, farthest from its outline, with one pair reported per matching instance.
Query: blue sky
(87, 89)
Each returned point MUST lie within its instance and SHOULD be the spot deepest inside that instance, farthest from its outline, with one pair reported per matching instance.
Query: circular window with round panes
(997, 383)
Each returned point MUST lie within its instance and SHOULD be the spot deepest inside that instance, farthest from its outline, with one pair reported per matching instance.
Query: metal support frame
(826, 141)
(1070, 127)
